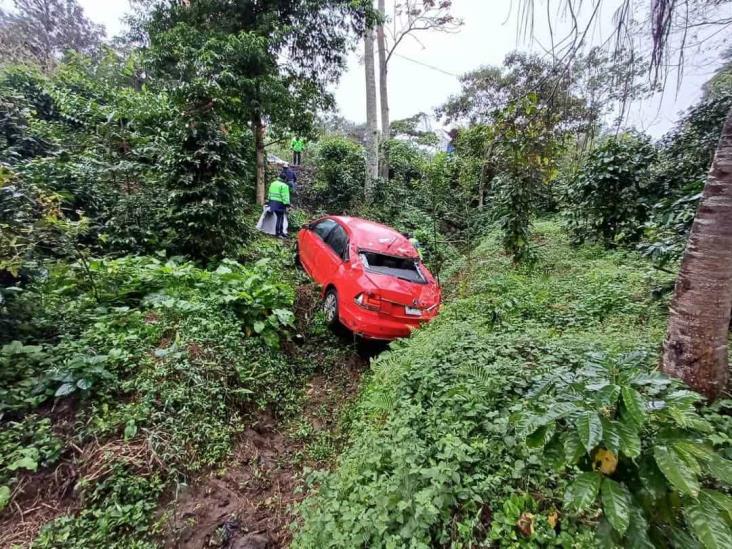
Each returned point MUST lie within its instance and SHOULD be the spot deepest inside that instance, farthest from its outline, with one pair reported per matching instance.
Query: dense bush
(341, 173)
(644, 453)
(683, 163)
(611, 196)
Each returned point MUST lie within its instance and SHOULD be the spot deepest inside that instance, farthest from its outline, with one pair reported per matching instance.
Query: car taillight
(371, 302)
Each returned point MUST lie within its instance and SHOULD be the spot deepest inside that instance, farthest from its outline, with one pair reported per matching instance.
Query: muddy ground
(249, 504)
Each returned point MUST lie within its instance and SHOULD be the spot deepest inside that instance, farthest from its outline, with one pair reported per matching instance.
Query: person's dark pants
(279, 209)
(296, 158)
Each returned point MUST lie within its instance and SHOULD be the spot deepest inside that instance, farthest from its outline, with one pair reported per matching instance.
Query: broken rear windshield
(400, 267)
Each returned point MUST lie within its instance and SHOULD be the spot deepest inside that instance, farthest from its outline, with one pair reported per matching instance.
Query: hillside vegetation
(504, 418)
(167, 377)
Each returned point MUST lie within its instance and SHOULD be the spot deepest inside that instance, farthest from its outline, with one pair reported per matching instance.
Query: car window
(338, 240)
(324, 227)
(400, 267)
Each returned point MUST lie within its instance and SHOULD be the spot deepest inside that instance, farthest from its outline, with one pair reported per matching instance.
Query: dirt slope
(248, 505)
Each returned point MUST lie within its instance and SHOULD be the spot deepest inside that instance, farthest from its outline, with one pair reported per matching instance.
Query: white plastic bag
(268, 222)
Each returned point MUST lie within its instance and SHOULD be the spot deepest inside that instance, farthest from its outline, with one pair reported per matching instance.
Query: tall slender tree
(383, 91)
(41, 31)
(407, 18)
(372, 129)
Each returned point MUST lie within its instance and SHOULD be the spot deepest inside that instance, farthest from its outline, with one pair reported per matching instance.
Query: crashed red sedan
(373, 280)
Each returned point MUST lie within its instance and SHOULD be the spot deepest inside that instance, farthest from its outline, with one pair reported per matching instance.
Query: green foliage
(164, 358)
(645, 449)
(611, 197)
(435, 455)
(683, 163)
(423, 199)
(27, 445)
(341, 174)
(203, 155)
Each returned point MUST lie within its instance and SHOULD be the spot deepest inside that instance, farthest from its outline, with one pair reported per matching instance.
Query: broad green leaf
(573, 449)
(679, 537)
(607, 396)
(676, 470)
(708, 526)
(26, 462)
(83, 384)
(688, 457)
(65, 389)
(630, 443)
(720, 468)
(4, 496)
(582, 492)
(721, 501)
(258, 326)
(541, 436)
(635, 405)
(616, 503)
(589, 429)
(611, 435)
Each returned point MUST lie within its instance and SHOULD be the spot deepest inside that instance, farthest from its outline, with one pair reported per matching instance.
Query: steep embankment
(437, 454)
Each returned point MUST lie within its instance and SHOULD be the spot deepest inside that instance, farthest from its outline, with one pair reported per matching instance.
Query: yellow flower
(605, 461)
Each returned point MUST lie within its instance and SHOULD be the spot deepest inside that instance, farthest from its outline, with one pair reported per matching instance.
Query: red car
(372, 278)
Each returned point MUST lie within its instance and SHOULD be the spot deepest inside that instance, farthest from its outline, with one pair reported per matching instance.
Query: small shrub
(640, 449)
(341, 174)
(611, 197)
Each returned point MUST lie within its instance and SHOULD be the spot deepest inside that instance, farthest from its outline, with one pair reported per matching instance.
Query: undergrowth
(161, 362)
(528, 414)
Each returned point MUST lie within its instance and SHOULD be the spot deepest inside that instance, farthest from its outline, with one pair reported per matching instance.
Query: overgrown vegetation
(144, 324)
(529, 414)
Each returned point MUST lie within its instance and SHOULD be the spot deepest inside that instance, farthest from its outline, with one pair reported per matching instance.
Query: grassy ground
(434, 458)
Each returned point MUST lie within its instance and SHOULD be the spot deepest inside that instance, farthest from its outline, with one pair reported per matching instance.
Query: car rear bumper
(375, 325)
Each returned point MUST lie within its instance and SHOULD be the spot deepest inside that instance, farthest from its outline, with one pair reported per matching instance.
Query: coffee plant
(639, 448)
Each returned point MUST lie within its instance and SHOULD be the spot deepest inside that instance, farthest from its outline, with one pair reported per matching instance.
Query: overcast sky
(425, 73)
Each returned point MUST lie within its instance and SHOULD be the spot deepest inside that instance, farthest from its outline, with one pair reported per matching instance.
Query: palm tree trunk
(695, 349)
(372, 130)
(383, 92)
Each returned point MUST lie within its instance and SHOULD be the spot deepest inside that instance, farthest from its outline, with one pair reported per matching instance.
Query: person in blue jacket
(288, 175)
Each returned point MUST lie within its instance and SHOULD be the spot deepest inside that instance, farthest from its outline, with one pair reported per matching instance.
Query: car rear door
(313, 248)
(335, 253)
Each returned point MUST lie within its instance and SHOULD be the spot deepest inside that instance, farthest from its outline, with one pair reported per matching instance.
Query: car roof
(376, 237)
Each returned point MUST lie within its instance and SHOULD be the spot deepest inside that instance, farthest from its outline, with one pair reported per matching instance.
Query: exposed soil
(249, 504)
(40, 497)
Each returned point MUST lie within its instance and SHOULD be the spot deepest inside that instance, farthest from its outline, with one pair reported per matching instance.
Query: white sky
(488, 35)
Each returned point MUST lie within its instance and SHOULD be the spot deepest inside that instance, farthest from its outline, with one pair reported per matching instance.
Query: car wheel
(330, 308)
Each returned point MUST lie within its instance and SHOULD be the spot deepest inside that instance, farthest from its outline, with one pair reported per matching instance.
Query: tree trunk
(372, 130)
(695, 349)
(383, 92)
(259, 144)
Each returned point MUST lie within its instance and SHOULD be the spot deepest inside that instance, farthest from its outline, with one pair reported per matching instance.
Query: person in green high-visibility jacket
(297, 145)
(278, 199)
